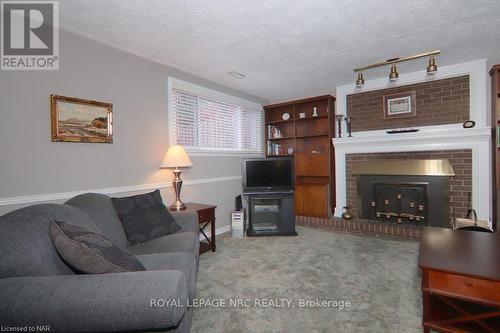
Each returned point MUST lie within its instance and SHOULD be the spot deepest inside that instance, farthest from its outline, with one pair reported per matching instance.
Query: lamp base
(177, 182)
(177, 206)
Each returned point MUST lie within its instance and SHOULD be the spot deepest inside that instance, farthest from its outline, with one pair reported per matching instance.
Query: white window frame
(174, 83)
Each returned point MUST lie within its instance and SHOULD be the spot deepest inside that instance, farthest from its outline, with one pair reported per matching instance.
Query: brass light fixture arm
(398, 60)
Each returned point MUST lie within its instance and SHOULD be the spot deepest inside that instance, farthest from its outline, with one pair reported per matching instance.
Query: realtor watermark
(29, 35)
(26, 328)
(251, 302)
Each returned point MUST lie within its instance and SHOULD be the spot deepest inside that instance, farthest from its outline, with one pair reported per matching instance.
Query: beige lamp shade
(176, 157)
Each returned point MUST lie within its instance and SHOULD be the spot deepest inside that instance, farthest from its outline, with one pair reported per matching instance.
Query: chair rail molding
(110, 190)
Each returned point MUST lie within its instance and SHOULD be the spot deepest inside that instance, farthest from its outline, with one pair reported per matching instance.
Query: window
(207, 121)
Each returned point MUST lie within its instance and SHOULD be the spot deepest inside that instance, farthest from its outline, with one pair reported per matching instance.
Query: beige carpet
(379, 278)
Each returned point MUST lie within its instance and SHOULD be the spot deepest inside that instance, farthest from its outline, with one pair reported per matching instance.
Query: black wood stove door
(400, 202)
(419, 200)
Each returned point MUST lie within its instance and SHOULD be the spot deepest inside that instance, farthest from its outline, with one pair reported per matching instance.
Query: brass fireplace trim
(403, 168)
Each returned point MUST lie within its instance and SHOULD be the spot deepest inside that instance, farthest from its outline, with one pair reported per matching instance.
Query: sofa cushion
(178, 242)
(100, 208)
(180, 261)
(144, 217)
(89, 252)
(25, 245)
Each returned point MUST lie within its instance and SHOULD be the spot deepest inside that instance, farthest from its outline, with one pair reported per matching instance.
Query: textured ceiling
(288, 48)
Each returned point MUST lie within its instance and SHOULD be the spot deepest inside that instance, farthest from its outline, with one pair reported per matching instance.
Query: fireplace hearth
(404, 191)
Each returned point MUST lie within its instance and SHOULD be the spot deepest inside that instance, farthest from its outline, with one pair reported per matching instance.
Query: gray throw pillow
(145, 217)
(91, 253)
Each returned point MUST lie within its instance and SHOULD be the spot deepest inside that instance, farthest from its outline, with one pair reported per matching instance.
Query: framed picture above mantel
(400, 105)
(81, 120)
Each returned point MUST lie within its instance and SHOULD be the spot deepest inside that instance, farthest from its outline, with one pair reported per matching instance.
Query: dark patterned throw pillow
(145, 217)
(91, 253)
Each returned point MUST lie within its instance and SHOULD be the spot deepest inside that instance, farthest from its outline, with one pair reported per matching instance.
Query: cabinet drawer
(206, 215)
(464, 286)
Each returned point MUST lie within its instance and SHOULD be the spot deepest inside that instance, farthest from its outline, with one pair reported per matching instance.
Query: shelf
(312, 118)
(280, 155)
(310, 136)
(315, 154)
(295, 119)
(282, 138)
(279, 121)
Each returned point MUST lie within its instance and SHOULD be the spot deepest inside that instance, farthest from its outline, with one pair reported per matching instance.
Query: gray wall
(32, 165)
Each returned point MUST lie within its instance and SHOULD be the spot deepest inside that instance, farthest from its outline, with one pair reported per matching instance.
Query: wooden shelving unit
(308, 140)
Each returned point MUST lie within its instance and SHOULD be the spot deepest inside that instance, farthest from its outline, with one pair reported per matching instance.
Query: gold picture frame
(81, 120)
(498, 135)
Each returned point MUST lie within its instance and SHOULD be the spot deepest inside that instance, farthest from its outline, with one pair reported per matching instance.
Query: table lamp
(176, 158)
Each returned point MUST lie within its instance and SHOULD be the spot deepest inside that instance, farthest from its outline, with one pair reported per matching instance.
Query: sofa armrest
(94, 303)
(188, 220)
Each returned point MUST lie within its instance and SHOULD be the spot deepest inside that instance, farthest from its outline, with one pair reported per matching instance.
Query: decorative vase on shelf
(315, 111)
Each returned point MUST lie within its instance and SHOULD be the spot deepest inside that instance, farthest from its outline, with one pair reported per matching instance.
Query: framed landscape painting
(81, 120)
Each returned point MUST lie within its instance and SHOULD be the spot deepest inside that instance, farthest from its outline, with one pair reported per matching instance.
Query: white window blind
(202, 123)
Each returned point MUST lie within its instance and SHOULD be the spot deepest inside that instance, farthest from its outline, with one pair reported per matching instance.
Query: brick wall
(438, 102)
(363, 227)
(460, 185)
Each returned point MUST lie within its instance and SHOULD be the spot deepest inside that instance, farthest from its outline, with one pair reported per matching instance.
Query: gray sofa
(38, 288)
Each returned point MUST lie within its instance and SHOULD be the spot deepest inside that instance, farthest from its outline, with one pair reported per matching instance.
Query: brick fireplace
(466, 150)
(443, 102)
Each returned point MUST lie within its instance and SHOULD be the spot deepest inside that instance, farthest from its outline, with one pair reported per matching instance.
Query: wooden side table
(206, 216)
(460, 280)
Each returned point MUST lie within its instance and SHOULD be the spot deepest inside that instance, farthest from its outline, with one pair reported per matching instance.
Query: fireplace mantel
(428, 138)
(426, 135)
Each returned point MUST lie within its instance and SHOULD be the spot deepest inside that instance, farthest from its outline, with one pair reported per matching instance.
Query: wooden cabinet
(495, 147)
(311, 199)
(460, 280)
(304, 129)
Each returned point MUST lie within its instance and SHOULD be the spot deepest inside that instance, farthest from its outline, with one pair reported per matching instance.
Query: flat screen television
(275, 174)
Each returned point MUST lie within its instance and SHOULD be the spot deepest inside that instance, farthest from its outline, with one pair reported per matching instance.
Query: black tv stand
(271, 214)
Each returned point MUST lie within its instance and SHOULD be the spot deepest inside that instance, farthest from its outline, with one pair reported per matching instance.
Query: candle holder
(339, 118)
(348, 121)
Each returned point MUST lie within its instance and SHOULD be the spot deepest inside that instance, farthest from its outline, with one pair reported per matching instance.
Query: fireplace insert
(414, 192)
